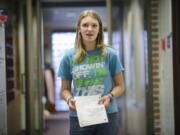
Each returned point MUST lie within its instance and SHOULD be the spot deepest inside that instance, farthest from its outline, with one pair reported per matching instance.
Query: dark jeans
(110, 128)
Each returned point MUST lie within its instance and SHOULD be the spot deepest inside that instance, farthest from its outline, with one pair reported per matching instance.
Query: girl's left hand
(106, 100)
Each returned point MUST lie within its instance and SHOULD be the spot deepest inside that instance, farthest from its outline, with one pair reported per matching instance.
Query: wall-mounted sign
(166, 42)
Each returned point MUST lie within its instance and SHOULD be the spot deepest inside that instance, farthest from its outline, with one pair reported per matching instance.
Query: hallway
(144, 34)
(57, 124)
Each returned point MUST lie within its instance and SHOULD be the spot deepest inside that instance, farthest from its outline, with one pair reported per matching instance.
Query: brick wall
(155, 63)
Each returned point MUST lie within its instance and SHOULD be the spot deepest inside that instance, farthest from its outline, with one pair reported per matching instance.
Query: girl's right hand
(72, 105)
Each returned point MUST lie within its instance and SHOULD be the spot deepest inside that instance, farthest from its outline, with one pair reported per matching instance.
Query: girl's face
(89, 28)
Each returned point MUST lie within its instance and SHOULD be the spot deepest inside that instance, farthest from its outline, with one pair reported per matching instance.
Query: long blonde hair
(80, 49)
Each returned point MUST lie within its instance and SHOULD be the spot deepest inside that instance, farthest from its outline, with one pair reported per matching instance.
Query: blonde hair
(80, 49)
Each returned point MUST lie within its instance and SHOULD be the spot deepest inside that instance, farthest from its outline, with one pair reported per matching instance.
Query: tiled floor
(57, 124)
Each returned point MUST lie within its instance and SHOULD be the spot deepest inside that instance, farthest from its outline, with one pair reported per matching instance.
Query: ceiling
(64, 18)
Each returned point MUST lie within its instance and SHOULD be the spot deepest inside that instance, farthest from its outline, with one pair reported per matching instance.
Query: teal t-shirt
(93, 75)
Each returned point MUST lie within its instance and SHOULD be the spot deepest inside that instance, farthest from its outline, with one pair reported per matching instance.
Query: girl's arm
(66, 94)
(116, 91)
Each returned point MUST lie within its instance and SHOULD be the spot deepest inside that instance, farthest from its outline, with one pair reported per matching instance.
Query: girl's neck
(90, 46)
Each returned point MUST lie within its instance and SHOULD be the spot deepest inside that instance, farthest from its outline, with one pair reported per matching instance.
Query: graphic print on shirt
(89, 76)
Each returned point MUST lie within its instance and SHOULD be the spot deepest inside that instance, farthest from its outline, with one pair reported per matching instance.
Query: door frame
(176, 62)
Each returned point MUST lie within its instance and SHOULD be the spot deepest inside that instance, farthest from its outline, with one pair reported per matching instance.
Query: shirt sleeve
(64, 69)
(115, 65)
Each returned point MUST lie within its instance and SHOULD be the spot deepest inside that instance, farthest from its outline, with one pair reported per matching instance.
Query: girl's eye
(94, 25)
(89, 25)
(85, 25)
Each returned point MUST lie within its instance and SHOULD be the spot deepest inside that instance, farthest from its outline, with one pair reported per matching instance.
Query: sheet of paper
(89, 112)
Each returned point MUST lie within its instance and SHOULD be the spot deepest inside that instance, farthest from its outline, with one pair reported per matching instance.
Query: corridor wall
(135, 68)
(3, 111)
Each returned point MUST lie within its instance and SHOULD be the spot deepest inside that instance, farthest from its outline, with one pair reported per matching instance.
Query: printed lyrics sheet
(89, 111)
